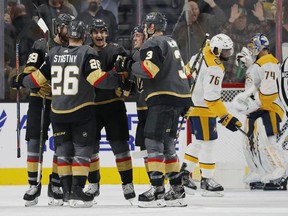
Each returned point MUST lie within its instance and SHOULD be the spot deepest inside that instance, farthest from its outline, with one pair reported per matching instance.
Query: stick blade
(41, 23)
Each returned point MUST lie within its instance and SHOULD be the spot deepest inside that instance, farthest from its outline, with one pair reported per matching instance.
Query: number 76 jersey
(206, 96)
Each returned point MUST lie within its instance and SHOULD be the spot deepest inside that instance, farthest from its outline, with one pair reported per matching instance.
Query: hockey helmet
(158, 19)
(62, 20)
(76, 29)
(98, 24)
(137, 29)
(257, 43)
(221, 45)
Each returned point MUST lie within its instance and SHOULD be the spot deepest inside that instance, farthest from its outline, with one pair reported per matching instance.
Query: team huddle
(83, 88)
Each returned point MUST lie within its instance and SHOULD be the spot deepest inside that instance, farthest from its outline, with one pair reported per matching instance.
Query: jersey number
(214, 80)
(64, 80)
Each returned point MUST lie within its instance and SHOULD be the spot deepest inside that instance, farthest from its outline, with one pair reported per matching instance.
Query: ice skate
(153, 198)
(31, 195)
(175, 197)
(211, 188)
(55, 195)
(129, 193)
(80, 199)
(277, 184)
(188, 183)
(93, 189)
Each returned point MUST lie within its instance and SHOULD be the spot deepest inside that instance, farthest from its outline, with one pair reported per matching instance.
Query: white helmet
(257, 43)
(222, 46)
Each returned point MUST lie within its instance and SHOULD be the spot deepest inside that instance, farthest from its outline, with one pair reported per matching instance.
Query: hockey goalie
(261, 104)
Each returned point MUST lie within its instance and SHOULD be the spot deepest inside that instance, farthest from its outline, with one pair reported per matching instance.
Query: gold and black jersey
(34, 62)
(74, 71)
(163, 72)
(107, 57)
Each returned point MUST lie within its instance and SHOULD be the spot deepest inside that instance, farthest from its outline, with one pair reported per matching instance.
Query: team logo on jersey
(3, 119)
(217, 61)
(139, 84)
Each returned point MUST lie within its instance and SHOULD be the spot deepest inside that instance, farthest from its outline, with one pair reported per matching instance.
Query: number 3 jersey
(163, 71)
(74, 71)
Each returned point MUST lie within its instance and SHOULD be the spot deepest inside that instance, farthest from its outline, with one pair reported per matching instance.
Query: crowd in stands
(187, 23)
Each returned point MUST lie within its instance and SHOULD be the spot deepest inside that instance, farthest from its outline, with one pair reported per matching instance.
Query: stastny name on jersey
(65, 58)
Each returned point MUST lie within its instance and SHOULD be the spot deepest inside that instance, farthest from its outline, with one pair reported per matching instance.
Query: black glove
(230, 122)
(125, 84)
(17, 81)
(123, 63)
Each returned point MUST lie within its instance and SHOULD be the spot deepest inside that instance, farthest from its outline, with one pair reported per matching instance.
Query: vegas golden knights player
(168, 96)
(74, 72)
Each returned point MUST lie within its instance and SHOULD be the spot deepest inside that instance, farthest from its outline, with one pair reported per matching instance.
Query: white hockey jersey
(263, 74)
(206, 96)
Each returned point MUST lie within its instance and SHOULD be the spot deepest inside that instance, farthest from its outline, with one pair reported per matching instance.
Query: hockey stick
(193, 68)
(41, 146)
(18, 103)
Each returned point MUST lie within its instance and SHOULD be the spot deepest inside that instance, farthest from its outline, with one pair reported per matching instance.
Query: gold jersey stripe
(72, 110)
(169, 93)
(109, 101)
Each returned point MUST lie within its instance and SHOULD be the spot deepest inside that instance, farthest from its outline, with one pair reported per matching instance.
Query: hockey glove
(17, 81)
(123, 64)
(119, 92)
(125, 84)
(244, 58)
(230, 122)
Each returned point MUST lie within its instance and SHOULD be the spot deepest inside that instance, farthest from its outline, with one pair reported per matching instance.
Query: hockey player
(73, 72)
(207, 107)
(261, 103)
(110, 114)
(35, 60)
(138, 39)
(165, 82)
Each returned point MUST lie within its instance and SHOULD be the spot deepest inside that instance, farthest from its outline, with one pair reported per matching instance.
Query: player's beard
(64, 39)
(93, 6)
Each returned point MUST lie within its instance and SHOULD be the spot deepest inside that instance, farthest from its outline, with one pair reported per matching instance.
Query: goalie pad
(260, 155)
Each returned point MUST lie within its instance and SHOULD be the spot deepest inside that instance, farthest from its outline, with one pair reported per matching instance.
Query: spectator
(51, 10)
(240, 31)
(95, 11)
(71, 6)
(111, 5)
(26, 31)
(198, 24)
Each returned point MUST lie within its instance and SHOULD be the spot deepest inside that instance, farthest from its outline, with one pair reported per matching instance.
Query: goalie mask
(257, 43)
(222, 46)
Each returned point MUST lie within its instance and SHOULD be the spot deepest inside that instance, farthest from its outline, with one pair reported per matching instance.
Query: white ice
(111, 202)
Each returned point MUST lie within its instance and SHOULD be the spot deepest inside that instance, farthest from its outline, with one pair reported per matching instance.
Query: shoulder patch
(217, 61)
